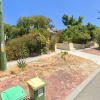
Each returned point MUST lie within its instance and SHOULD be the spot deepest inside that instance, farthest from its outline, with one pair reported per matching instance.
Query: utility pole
(3, 65)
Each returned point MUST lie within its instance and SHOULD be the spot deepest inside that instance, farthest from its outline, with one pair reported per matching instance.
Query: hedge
(25, 46)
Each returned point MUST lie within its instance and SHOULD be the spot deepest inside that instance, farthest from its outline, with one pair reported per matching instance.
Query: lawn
(62, 75)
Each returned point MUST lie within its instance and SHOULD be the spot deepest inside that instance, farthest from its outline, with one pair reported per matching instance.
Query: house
(52, 33)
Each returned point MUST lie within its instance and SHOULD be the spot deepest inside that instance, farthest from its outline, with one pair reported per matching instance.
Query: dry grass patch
(47, 66)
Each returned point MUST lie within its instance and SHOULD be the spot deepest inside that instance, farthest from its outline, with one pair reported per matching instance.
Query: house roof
(52, 31)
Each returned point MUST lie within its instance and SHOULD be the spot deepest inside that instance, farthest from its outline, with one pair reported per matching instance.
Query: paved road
(91, 91)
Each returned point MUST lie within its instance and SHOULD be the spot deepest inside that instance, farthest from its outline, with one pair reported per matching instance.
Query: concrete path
(92, 57)
(29, 59)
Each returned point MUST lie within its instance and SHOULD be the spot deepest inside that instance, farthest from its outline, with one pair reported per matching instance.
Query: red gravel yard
(92, 51)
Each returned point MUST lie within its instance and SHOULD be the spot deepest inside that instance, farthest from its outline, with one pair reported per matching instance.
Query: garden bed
(63, 75)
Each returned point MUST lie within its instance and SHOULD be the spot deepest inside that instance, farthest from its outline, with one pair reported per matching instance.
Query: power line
(98, 17)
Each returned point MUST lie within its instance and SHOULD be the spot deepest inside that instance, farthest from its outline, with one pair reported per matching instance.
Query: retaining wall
(73, 46)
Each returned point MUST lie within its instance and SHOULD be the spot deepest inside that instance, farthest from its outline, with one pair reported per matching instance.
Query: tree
(76, 34)
(51, 26)
(24, 22)
(98, 38)
(42, 31)
(7, 29)
(14, 33)
(34, 22)
(41, 22)
(92, 30)
(28, 24)
(71, 21)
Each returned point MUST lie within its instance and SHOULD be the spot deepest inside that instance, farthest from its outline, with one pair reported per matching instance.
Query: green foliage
(71, 21)
(59, 36)
(41, 22)
(76, 34)
(50, 25)
(7, 29)
(98, 38)
(24, 46)
(16, 49)
(63, 54)
(92, 31)
(33, 21)
(52, 43)
(42, 31)
(36, 43)
(15, 32)
(24, 22)
(21, 63)
(27, 24)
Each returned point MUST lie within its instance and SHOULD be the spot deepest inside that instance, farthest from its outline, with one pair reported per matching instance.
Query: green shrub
(63, 55)
(16, 49)
(36, 43)
(59, 36)
(98, 38)
(51, 44)
(42, 31)
(24, 46)
(76, 34)
(21, 63)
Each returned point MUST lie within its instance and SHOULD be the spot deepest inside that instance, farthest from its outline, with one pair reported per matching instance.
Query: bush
(24, 46)
(51, 44)
(98, 38)
(16, 49)
(63, 55)
(42, 31)
(75, 34)
(59, 36)
(36, 43)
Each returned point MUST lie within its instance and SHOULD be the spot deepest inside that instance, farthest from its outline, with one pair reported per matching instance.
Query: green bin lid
(13, 93)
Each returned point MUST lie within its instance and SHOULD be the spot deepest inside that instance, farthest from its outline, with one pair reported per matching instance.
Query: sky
(54, 9)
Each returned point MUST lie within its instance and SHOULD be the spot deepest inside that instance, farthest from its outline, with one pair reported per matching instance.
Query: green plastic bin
(13, 93)
(36, 89)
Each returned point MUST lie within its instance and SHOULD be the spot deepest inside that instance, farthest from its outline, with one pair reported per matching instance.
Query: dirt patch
(62, 75)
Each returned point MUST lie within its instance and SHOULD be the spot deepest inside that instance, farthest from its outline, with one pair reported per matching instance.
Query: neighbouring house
(52, 33)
